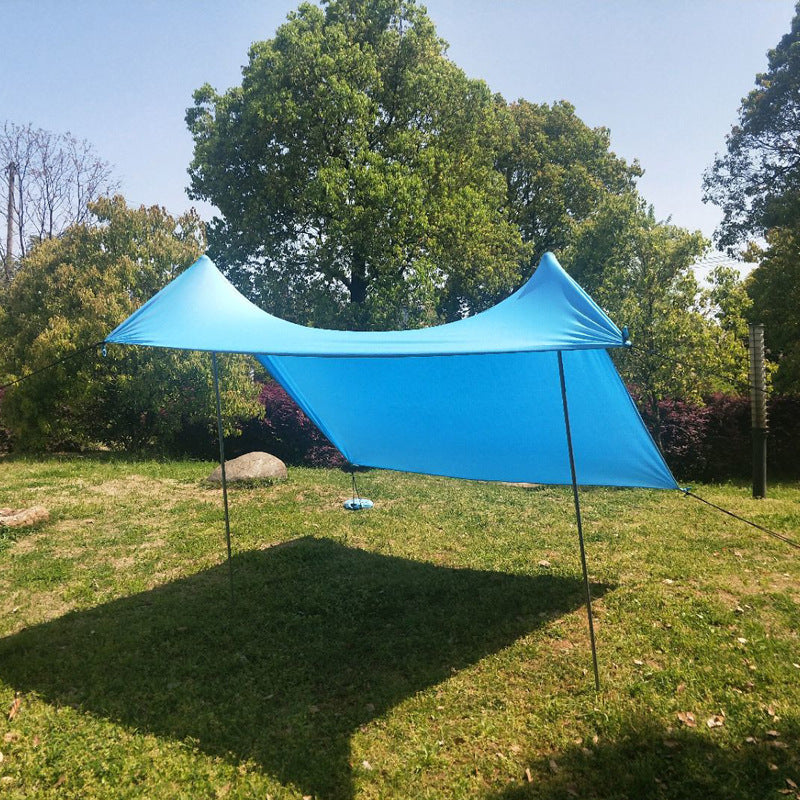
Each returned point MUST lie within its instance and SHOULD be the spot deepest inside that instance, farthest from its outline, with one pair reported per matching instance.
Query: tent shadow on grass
(646, 760)
(322, 639)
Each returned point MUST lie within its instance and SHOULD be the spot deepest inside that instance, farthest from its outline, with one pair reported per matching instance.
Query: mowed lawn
(435, 646)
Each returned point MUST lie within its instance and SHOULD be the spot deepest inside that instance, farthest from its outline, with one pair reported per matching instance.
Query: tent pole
(222, 468)
(578, 518)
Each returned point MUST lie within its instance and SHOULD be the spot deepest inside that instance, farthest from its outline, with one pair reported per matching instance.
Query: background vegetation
(376, 186)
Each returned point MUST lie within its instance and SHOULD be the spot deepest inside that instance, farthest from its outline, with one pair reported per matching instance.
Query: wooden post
(758, 409)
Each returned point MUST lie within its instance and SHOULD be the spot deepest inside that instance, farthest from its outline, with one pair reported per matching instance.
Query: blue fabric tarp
(479, 398)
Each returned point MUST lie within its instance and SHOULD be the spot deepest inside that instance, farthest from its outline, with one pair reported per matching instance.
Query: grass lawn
(435, 646)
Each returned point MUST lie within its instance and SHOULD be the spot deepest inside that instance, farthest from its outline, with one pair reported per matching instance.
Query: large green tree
(757, 184)
(354, 171)
(558, 171)
(756, 181)
(70, 292)
(775, 290)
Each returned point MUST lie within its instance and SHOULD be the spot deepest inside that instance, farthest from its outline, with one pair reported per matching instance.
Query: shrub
(286, 432)
(712, 441)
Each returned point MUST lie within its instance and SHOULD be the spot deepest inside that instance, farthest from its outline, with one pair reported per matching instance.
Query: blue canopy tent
(524, 392)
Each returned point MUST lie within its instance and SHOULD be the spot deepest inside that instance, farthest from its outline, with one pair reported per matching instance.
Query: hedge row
(712, 442)
(709, 442)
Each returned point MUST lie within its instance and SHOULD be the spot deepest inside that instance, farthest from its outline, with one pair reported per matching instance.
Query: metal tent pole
(578, 518)
(222, 467)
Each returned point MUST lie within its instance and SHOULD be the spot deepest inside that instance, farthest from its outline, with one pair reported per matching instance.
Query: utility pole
(12, 171)
(758, 409)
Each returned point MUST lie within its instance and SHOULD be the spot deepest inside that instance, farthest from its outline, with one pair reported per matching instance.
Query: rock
(251, 467)
(9, 518)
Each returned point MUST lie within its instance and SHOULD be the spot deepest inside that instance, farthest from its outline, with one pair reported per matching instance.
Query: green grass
(417, 650)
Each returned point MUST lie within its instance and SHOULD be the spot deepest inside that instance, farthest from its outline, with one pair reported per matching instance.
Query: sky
(665, 76)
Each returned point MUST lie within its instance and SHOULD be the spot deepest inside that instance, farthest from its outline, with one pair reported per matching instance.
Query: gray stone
(251, 467)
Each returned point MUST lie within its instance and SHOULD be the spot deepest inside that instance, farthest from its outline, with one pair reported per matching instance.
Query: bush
(712, 442)
(286, 432)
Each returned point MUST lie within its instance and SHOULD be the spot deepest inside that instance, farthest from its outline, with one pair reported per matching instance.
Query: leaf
(14, 710)
(528, 776)
(790, 783)
(554, 768)
(544, 563)
(687, 718)
(717, 721)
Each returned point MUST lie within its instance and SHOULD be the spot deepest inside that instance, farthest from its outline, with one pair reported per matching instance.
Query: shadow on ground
(645, 760)
(322, 638)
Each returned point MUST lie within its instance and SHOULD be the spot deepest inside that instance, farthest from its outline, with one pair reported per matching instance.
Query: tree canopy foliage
(756, 182)
(69, 293)
(558, 172)
(775, 291)
(356, 163)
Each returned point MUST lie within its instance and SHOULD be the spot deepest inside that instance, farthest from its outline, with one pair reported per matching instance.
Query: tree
(356, 165)
(774, 287)
(55, 177)
(756, 182)
(558, 171)
(687, 342)
(70, 292)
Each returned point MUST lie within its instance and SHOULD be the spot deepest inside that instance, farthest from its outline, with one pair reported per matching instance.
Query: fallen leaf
(1, 756)
(751, 740)
(544, 563)
(14, 710)
(771, 711)
(790, 783)
(366, 764)
(680, 688)
(773, 734)
(669, 581)
(772, 767)
(553, 766)
(687, 718)
(10, 736)
(638, 662)
(60, 782)
(741, 640)
(717, 721)
(572, 790)
(528, 776)
(671, 743)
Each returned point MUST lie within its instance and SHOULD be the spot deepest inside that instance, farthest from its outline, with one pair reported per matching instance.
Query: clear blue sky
(666, 76)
